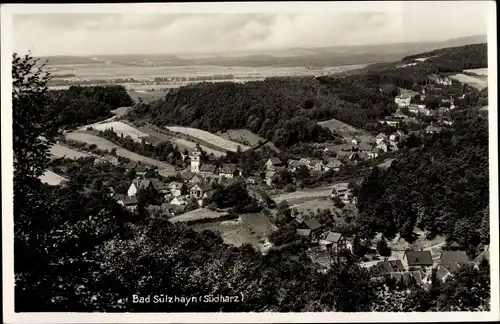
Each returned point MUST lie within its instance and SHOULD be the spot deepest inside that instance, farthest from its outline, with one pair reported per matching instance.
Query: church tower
(196, 159)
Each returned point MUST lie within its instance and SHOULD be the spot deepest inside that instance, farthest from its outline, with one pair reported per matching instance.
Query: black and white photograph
(265, 162)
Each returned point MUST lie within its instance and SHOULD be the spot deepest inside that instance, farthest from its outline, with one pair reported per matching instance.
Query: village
(186, 194)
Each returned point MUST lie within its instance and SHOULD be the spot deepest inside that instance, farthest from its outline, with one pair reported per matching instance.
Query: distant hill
(314, 57)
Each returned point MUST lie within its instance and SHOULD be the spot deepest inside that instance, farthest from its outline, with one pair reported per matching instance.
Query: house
(380, 138)
(187, 175)
(139, 184)
(274, 163)
(355, 141)
(454, 257)
(252, 180)
(229, 171)
(365, 147)
(418, 259)
(304, 232)
(107, 159)
(316, 165)
(393, 122)
(347, 147)
(129, 202)
(402, 100)
(314, 226)
(383, 146)
(196, 179)
(176, 188)
(208, 170)
(443, 80)
(179, 201)
(334, 165)
(413, 109)
(119, 196)
(432, 129)
(485, 255)
(198, 190)
(389, 266)
(337, 242)
(453, 246)
(293, 165)
(271, 177)
(140, 170)
(394, 137)
(341, 191)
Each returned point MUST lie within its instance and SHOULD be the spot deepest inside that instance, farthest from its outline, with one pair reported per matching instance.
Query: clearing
(65, 152)
(481, 71)
(119, 128)
(347, 131)
(104, 144)
(205, 136)
(181, 143)
(198, 215)
(120, 111)
(242, 136)
(475, 82)
(51, 178)
(146, 96)
(300, 196)
(248, 228)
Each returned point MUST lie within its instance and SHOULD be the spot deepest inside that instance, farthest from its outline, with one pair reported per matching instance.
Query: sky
(159, 32)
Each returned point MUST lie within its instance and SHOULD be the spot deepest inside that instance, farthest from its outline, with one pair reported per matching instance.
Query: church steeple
(196, 159)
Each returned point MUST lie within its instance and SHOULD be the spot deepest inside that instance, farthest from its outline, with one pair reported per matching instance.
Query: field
(107, 145)
(181, 143)
(345, 130)
(242, 136)
(208, 137)
(475, 82)
(198, 215)
(147, 96)
(248, 228)
(482, 71)
(120, 111)
(119, 128)
(301, 196)
(51, 178)
(63, 151)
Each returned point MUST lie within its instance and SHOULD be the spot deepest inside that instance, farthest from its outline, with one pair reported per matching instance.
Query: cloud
(161, 33)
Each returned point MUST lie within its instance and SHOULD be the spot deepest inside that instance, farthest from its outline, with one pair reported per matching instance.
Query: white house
(179, 201)
(402, 101)
(380, 138)
(342, 191)
(176, 188)
(138, 184)
(274, 163)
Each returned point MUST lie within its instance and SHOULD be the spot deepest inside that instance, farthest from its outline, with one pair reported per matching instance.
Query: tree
(33, 133)
(382, 248)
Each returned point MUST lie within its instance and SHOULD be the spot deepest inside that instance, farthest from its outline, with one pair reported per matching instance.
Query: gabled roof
(209, 168)
(316, 162)
(381, 135)
(419, 258)
(390, 266)
(448, 257)
(187, 175)
(131, 165)
(339, 187)
(140, 168)
(130, 201)
(313, 224)
(333, 237)
(202, 186)
(228, 168)
(119, 196)
(334, 164)
(275, 161)
(270, 174)
(441, 273)
(175, 185)
(365, 147)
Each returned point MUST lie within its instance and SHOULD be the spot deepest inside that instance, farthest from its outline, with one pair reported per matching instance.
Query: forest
(80, 105)
(440, 186)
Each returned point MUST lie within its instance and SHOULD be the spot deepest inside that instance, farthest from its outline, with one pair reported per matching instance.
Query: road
(304, 194)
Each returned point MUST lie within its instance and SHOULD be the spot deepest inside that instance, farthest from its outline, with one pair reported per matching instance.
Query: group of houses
(419, 265)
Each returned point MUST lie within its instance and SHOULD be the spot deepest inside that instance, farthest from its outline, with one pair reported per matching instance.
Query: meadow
(107, 145)
(205, 136)
(60, 151)
(476, 82)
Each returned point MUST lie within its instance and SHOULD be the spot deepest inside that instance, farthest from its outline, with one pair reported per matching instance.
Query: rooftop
(416, 258)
